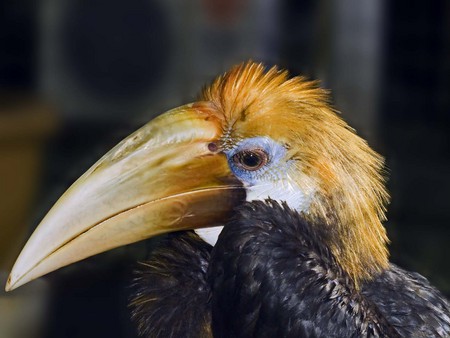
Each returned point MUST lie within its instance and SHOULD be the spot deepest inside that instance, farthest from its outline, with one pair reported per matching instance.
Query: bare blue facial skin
(274, 167)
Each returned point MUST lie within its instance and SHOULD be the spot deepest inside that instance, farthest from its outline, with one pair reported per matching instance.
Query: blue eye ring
(250, 159)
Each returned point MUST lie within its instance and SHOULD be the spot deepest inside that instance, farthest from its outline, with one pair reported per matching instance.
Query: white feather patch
(209, 235)
(292, 195)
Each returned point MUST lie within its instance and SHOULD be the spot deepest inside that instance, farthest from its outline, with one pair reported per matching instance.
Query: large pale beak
(162, 178)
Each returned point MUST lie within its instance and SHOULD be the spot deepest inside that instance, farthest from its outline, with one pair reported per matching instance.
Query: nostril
(213, 147)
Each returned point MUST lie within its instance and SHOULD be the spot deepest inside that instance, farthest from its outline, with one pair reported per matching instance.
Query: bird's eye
(251, 159)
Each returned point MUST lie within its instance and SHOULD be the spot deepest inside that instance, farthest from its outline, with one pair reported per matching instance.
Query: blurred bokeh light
(76, 76)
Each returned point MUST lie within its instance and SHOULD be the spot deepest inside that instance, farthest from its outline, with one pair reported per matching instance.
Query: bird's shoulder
(410, 302)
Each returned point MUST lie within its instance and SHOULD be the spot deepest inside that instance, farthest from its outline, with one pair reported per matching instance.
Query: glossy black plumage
(171, 296)
(411, 304)
(271, 275)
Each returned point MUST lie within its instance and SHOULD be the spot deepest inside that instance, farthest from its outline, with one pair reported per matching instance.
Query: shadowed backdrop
(78, 76)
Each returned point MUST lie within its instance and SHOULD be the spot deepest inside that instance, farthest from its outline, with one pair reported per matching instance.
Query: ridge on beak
(164, 177)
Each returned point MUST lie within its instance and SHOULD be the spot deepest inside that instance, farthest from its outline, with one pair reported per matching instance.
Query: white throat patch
(293, 196)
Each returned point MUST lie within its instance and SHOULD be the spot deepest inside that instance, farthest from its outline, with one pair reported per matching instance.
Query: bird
(274, 208)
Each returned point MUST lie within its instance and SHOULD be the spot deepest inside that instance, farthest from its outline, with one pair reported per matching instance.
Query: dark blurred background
(76, 76)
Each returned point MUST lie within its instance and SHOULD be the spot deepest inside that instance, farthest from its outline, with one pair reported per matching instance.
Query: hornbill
(294, 198)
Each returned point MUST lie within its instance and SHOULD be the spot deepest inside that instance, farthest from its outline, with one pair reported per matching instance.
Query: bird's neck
(356, 238)
(357, 241)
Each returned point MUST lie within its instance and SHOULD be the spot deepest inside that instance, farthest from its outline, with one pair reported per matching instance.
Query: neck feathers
(345, 173)
(351, 199)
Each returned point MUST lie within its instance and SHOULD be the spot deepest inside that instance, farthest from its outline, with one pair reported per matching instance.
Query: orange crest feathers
(346, 174)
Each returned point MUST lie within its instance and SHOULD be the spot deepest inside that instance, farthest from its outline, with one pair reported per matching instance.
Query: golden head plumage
(346, 173)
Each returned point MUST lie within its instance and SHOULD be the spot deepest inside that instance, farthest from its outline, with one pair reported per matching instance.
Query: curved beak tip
(14, 281)
(9, 285)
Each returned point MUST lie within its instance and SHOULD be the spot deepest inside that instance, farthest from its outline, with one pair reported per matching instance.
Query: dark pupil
(251, 160)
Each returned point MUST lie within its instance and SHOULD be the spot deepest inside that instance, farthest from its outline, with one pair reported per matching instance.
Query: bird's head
(253, 134)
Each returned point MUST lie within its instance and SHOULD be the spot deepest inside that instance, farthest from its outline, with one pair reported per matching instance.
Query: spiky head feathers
(342, 173)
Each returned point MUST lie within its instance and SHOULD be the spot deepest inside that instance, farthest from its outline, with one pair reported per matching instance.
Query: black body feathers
(410, 303)
(170, 291)
(271, 275)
